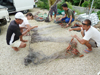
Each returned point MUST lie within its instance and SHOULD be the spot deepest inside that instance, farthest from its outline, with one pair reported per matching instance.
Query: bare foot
(51, 19)
(66, 26)
(87, 50)
(24, 40)
(60, 23)
(15, 48)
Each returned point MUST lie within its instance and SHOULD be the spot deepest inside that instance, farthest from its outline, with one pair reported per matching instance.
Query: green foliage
(98, 13)
(93, 11)
(76, 2)
(43, 4)
(97, 4)
(59, 5)
(85, 4)
(69, 5)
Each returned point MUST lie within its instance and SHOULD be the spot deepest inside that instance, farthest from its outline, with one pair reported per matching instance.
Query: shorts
(93, 43)
(17, 43)
(53, 9)
(66, 19)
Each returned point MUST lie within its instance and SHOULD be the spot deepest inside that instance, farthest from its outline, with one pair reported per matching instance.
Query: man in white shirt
(88, 32)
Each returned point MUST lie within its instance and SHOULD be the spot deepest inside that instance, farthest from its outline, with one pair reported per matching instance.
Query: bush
(42, 4)
(85, 4)
(59, 5)
(69, 5)
(98, 13)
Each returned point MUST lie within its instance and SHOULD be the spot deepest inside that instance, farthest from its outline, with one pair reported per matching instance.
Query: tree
(80, 3)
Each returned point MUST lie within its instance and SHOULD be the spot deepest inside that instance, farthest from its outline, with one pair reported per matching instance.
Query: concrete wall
(83, 9)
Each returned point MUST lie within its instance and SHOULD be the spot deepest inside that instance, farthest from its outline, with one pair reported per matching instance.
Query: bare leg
(15, 48)
(55, 16)
(89, 47)
(51, 17)
(22, 45)
(22, 36)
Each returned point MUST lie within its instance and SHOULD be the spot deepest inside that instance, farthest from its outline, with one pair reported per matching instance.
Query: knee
(67, 20)
(72, 20)
(24, 45)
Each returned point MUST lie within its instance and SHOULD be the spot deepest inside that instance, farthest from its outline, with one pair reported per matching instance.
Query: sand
(12, 62)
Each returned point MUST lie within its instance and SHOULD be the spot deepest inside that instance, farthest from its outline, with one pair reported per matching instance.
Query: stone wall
(83, 9)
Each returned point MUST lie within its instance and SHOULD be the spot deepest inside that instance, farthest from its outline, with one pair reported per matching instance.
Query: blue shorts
(66, 19)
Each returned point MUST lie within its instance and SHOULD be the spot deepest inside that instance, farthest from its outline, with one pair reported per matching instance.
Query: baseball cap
(19, 15)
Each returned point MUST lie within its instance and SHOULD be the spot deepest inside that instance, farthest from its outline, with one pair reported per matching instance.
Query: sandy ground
(12, 63)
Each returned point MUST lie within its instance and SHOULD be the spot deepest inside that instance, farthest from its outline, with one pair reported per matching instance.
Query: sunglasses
(84, 23)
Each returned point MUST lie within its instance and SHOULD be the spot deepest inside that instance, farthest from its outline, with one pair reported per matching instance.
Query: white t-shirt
(94, 34)
(25, 22)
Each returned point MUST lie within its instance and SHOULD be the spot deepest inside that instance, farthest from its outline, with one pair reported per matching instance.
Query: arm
(63, 17)
(82, 32)
(22, 27)
(78, 28)
(70, 20)
(23, 33)
(82, 41)
(28, 26)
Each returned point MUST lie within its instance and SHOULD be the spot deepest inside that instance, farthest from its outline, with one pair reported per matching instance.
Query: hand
(82, 32)
(60, 19)
(66, 25)
(68, 48)
(29, 29)
(70, 29)
(35, 26)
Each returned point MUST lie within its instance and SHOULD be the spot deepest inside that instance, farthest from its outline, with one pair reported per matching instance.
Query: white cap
(19, 15)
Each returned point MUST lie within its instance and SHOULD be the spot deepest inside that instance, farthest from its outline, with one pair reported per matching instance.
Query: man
(69, 13)
(53, 9)
(91, 36)
(13, 33)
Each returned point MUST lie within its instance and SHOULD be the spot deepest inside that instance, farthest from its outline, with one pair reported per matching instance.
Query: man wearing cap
(13, 33)
(91, 36)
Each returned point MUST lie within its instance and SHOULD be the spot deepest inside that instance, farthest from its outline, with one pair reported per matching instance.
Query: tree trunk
(80, 3)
